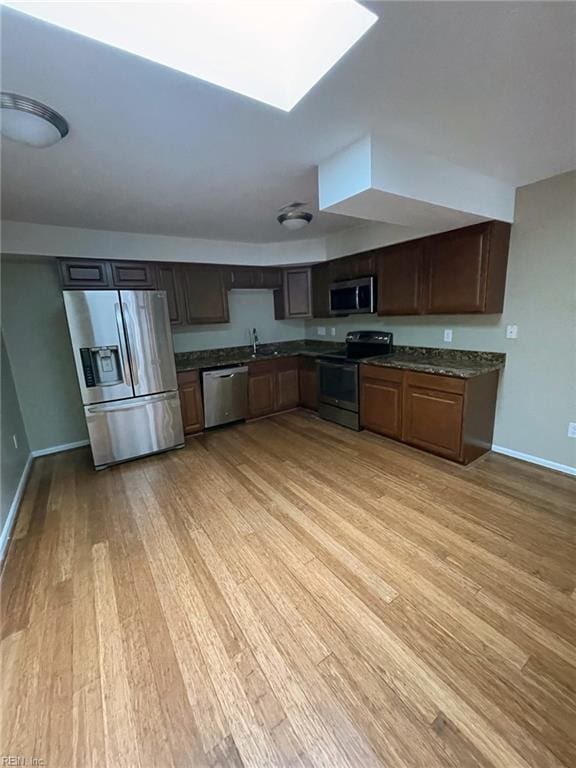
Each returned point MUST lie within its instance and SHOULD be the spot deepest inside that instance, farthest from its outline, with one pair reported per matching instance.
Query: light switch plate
(511, 331)
(448, 334)
(572, 429)
(321, 330)
(332, 331)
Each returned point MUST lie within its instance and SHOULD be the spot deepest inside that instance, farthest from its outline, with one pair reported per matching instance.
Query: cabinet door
(320, 291)
(191, 402)
(433, 420)
(261, 394)
(133, 274)
(297, 292)
(287, 384)
(456, 271)
(242, 277)
(381, 400)
(271, 278)
(400, 273)
(205, 294)
(308, 383)
(169, 279)
(84, 274)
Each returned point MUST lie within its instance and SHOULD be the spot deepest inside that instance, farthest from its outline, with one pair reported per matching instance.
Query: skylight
(274, 51)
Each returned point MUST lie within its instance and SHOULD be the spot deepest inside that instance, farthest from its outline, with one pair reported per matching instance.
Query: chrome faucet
(254, 342)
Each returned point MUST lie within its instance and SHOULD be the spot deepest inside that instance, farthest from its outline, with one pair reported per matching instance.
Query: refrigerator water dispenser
(101, 366)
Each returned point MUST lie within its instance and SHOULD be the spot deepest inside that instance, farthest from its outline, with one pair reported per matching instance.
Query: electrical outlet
(572, 429)
(448, 334)
(332, 331)
(511, 331)
(15, 441)
(321, 330)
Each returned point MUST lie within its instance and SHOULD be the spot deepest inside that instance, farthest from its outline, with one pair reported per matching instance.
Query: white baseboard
(11, 519)
(568, 470)
(60, 448)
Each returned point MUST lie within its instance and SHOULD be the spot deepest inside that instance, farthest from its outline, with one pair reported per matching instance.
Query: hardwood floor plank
(286, 592)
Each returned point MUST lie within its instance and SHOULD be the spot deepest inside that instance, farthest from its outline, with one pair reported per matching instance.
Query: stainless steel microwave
(353, 297)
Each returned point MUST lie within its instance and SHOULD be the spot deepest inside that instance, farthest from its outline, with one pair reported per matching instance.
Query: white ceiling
(488, 85)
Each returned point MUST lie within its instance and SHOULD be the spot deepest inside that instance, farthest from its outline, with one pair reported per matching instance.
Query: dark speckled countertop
(464, 364)
(218, 358)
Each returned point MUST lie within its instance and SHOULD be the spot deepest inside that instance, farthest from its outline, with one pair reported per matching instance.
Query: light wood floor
(290, 593)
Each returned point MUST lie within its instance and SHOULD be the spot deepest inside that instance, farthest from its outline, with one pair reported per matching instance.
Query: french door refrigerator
(125, 364)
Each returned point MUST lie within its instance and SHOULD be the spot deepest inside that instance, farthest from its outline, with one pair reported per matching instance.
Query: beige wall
(537, 397)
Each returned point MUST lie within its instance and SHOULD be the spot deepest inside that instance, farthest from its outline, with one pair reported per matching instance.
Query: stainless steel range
(338, 376)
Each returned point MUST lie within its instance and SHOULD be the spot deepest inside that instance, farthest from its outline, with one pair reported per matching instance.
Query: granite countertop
(461, 363)
(214, 358)
(464, 364)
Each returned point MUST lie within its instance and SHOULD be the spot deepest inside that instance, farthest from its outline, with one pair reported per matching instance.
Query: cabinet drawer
(84, 274)
(436, 381)
(187, 377)
(380, 372)
(133, 274)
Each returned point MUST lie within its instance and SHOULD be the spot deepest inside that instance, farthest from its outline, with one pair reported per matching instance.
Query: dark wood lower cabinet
(261, 388)
(287, 384)
(433, 420)
(273, 385)
(191, 402)
(446, 415)
(381, 400)
(308, 376)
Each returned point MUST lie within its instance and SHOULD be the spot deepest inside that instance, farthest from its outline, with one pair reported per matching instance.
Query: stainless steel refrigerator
(125, 364)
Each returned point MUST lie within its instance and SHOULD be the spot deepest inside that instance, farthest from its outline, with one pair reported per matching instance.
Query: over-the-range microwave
(353, 297)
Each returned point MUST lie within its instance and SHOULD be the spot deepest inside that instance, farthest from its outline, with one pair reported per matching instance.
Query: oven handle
(342, 366)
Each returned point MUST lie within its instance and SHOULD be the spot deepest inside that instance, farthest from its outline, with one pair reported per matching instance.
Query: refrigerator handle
(130, 333)
(122, 338)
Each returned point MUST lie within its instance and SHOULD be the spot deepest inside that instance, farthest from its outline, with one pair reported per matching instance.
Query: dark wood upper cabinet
(321, 290)
(295, 299)
(381, 400)
(400, 279)
(205, 294)
(169, 279)
(253, 277)
(84, 274)
(465, 270)
(134, 274)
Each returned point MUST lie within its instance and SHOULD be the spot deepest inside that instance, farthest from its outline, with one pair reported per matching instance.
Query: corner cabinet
(445, 415)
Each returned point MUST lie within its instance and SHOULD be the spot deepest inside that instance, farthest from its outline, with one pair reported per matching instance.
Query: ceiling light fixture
(30, 122)
(295, 219)
(273, 51)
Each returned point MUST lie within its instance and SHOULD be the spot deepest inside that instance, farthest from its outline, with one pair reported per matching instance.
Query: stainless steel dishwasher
(225, 395)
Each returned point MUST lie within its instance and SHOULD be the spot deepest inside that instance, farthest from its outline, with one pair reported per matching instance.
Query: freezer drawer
(225, 395)
(129, 428)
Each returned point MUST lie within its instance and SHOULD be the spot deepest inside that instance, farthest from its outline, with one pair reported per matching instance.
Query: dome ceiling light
(30, 122)
(291, 217)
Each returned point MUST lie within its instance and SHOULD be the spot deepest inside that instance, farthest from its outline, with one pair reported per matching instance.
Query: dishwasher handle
(225, 373)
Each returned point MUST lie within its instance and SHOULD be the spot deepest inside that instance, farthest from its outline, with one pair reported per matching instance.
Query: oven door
(338, 384)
